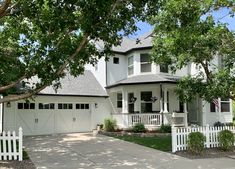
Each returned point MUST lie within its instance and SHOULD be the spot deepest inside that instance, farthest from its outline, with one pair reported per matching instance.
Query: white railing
(11, 145)
(146, 119)
(129, 120)
(180, 136)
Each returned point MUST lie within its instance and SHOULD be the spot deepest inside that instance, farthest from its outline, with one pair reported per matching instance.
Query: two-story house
(127, 87)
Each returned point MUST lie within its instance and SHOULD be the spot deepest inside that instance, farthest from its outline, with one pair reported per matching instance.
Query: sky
(220, 16)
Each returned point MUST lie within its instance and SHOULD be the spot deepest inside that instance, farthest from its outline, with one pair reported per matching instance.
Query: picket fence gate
(11, 145)
(180, 136)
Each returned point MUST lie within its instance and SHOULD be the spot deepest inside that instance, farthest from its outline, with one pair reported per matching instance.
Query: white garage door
(55, 118)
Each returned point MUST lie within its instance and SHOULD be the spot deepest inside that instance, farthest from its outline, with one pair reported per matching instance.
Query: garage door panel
(45, 123)
(64, 121)
(83, 121)
(26, 120)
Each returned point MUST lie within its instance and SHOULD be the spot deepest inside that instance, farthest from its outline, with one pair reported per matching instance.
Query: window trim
(23, 106)
(142, 101)
(220, 101)
(145, 63)
(43, 108)
(130, 66)
(67, 105)
(119, 100)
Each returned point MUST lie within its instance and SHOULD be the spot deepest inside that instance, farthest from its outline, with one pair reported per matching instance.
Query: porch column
(124, 102)
(165, 101)
(185, 115)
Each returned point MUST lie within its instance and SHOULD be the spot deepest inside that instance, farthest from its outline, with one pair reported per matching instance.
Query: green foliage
(185, 33)
(138, 128)
(110, 124)
(196, 143)
(226, 140)
(48, 38)
(165, 129)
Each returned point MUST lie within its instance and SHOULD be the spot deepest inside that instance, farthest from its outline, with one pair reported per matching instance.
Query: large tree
(186, 32)
(45, 39)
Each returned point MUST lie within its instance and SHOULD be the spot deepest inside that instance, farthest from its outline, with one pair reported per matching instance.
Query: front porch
(150, 104)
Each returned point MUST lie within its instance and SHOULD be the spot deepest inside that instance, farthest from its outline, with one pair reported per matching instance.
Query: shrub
(218, 124)
(110, 124)
(138, 128)
(165, 129)
(226, 139)
(196, 142)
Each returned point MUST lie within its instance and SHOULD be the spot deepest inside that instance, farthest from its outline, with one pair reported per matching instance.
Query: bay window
(145, 65)
(130, 65)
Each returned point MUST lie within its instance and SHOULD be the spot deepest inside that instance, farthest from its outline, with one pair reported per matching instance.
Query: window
(115, 60)
(46, 105)
(119, 100)
(212, 107)
(26, 105)
(82, 106)
(225, 105)
(164, 68)
(65, 106)
(146, 102)
(130, 65)
(145, 64)
(131, 108)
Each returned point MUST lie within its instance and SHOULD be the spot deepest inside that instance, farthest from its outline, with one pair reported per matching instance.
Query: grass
(162, 143)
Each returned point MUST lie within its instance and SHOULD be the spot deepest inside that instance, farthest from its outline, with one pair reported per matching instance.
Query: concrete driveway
(72, 151)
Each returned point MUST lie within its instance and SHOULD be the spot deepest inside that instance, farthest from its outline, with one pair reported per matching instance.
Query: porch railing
(129, 120)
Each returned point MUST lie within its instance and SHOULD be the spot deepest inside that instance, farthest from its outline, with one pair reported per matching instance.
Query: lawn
(162, 143)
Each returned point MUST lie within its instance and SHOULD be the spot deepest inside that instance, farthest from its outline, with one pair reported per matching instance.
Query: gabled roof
(84, 85)
(127, 44)
(146, 79)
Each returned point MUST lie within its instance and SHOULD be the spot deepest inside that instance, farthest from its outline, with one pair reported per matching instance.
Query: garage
(78, 106)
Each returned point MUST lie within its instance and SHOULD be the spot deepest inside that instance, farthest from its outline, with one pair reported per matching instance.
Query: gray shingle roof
(146, 79)
(130, 44)
(83, 85)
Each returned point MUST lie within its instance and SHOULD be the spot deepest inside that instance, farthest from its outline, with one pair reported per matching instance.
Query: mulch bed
(25, 164)
(128, 133)
(208, 153)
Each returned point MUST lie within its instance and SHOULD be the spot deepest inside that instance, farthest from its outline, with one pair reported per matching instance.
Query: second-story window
(145, 64)
(115, 60)
(164, 68)
(130, 65)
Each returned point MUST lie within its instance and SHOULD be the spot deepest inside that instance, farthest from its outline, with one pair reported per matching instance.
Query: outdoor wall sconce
(154, 99)
(96, 105)
(8, 104)
(133, 99)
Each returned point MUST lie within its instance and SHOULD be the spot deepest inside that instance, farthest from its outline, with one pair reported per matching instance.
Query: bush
(165, 129)
(138, 128)
(196, 142)
(226, 139)
(218, 124)
(110, 124)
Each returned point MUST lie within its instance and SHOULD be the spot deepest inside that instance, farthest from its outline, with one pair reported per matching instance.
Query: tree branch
(12, 84)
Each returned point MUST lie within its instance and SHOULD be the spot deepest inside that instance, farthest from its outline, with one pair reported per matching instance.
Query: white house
(127, 88)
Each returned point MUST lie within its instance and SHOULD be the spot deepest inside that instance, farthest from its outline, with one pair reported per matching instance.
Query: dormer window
(164, 68)
(145, 65)
(130, 65)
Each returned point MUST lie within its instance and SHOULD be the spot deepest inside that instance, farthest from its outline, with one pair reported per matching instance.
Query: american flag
(216, 102)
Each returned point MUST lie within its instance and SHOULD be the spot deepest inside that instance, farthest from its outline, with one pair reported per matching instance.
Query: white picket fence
(180, 136)
(11, 145)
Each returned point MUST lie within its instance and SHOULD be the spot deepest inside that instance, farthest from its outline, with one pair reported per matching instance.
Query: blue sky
(220, 16)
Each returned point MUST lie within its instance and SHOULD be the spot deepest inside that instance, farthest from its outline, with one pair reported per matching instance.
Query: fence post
(20, 144)
(207, 136)
(173, 139)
